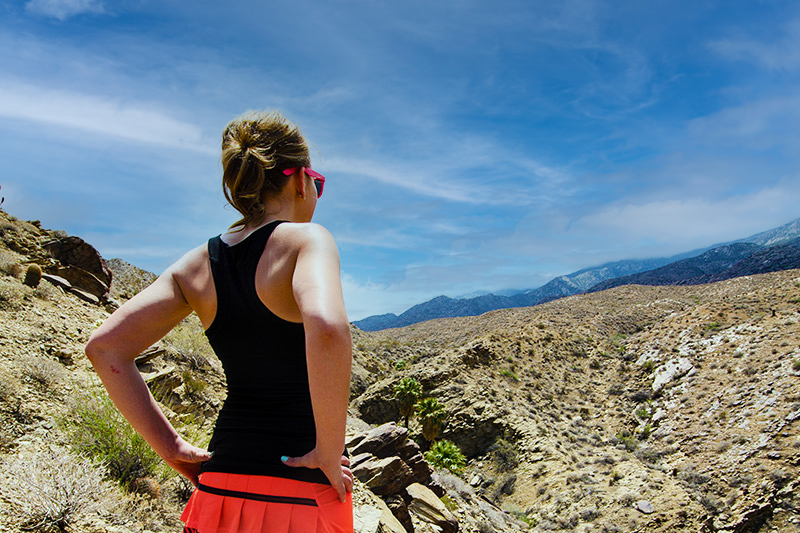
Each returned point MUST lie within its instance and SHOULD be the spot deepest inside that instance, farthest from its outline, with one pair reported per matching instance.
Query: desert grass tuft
(43, 370)
(52, 490)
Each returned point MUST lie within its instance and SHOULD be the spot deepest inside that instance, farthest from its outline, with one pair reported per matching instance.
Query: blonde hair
(256, 148)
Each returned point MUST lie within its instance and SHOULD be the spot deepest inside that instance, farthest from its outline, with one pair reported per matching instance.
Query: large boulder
(382, 441)
(81, 264)
(384, 476)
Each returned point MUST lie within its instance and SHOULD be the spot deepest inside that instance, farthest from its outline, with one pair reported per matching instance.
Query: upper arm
(316, 282)
(142, 320)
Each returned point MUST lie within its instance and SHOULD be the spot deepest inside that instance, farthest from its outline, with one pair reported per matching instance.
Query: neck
(284, 207)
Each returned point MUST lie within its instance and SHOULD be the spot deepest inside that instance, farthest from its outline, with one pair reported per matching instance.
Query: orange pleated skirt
(236, 503)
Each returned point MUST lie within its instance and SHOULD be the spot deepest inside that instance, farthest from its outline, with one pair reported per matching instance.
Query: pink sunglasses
(319, 179)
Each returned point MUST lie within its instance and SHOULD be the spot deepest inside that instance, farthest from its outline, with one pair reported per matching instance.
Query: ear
(299, 181)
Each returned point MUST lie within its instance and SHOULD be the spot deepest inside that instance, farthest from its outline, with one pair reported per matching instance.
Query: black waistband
(257, 497)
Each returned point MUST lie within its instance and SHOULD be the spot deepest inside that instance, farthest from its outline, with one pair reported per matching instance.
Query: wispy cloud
(131, 121)
(64, 9)
(782, 52)
(761, 123)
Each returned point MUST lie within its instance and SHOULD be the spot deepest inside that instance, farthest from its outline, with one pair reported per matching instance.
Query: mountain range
(768, 251)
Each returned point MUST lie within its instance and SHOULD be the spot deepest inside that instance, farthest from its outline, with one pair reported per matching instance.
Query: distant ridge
(768, 251)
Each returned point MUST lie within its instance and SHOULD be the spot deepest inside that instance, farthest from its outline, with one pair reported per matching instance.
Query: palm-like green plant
(431, 414)
(445, 454)
(407, 393)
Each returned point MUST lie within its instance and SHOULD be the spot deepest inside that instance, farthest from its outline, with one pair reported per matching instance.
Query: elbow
(95, 350)
(331, 333)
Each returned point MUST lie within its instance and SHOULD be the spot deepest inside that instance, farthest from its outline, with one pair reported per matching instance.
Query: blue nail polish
(284, 458)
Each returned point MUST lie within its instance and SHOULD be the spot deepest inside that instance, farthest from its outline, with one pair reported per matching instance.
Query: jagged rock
(399, 510)
(360, 379)
(376, 405)
(390, 523)
(478, 354)
(429, 508)
(356, 460)
(382, 441)
(165, 379)
(74, 251)
(384, 476)
(149, 354)
(412, 456)
(82, 279)
(670, 371)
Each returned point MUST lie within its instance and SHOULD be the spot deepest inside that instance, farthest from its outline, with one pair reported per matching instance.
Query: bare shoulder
(301, 235)
(193, 263)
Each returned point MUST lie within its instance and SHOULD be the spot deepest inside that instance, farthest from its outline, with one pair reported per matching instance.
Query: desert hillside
(633, 409)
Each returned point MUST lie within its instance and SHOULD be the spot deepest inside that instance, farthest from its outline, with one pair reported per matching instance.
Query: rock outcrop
(80, 264)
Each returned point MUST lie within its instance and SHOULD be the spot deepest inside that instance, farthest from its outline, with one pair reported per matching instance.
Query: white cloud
(678, 225)
(100, 115)
(64, 9)
(366, 299)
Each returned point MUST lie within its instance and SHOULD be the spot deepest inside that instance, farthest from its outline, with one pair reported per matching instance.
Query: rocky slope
(634, 409)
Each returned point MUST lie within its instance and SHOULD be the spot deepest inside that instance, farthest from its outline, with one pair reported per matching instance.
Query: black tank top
(267, 413)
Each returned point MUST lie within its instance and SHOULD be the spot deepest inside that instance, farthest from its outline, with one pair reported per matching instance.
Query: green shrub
(505, 453)
(627, 440)
(97, 429)
(509, 374)
(446, 455)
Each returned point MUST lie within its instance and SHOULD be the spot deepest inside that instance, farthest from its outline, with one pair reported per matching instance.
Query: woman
(268, 294)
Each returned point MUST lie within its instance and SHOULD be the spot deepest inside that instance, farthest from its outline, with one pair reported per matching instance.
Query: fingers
(341, 490)
(199, 455)
(345, 461)
(296, 461)
(348, 479)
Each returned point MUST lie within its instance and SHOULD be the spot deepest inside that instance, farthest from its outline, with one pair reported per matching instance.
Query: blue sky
(468, 145)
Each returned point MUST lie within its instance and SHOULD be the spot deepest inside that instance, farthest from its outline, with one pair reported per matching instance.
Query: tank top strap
(252, 248)
(233, 268)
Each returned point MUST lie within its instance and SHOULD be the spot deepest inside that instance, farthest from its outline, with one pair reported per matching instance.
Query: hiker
(268, 294)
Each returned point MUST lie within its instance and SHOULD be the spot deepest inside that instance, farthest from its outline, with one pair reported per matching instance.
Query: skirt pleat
(213, 513)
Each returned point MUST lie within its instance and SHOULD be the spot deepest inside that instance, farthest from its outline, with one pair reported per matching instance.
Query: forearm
(130, 394)
(329, 356)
